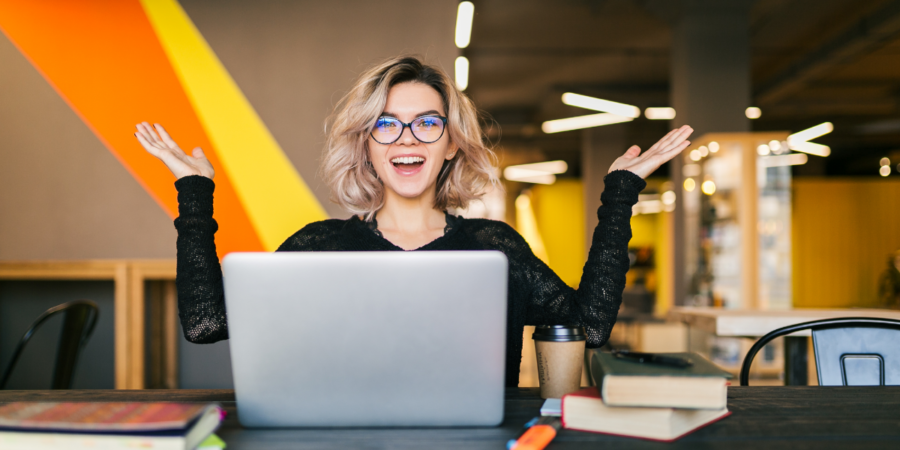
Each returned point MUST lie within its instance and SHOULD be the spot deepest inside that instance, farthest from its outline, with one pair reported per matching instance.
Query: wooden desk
(129, 277)
(754, 323)
(763, 417)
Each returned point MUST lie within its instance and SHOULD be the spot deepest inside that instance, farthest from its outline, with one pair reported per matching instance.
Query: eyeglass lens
(426, 129)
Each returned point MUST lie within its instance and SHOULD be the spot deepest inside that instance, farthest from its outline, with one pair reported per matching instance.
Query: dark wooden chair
(79, 319)
(849, 351)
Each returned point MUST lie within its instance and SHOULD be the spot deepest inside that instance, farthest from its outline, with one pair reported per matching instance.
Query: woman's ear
(451, 151)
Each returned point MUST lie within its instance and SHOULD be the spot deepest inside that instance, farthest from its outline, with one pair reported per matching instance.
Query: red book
(585, 411)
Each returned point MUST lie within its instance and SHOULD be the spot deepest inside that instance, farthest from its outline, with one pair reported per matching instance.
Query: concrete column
(599, 149)
(710, 88)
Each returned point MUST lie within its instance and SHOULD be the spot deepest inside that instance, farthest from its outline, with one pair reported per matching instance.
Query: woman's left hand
(643, 164)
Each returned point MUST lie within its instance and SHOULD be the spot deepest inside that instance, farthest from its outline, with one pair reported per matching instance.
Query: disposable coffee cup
(560, 357)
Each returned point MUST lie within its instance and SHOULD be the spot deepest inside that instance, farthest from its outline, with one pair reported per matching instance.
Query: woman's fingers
(144, 133)
(679, 135)
(149, 134)
(147, 145)
(672, 139)
(659, 142)
(165, 136)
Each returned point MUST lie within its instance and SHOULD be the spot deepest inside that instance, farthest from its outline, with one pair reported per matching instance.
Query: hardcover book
(585, 411)
(624, 382)
(106, 425)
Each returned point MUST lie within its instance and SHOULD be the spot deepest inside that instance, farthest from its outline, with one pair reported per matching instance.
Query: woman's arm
(201, 295)
(595, 303)
(201, 299)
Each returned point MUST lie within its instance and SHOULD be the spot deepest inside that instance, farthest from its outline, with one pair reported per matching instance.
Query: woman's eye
(386, 124)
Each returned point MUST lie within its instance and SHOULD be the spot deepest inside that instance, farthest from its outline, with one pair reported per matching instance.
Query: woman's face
(408, 167)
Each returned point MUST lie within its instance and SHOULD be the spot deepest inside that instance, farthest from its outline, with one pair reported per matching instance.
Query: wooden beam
(121, 308)
(170, 333)
(60, 270)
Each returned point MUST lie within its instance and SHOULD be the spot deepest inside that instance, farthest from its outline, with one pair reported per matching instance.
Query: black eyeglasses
(427, 129)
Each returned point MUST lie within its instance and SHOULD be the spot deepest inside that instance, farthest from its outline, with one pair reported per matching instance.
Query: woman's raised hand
(163, 147)
(643, 164)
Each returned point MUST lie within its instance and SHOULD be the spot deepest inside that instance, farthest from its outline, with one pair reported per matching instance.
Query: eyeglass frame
(409, 125)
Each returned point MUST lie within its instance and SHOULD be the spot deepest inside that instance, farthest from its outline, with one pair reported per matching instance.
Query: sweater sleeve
(201, 298)
(595, 304)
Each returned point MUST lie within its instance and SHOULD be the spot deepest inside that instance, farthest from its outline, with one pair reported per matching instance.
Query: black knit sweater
(536, 295)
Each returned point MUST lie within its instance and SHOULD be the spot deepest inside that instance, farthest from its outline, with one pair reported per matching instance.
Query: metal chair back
(79, 319)
(849, 351)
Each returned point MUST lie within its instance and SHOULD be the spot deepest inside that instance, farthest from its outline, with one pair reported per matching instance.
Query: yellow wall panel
(843, 232)
(559, 209)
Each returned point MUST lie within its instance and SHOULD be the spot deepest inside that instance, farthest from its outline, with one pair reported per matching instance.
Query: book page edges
(647, 438)
(673, 392)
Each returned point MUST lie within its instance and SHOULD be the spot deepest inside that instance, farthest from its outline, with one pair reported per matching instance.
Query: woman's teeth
(408, 160)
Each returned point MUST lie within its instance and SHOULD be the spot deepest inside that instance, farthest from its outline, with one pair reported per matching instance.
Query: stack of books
(113, 425)
(648, 400)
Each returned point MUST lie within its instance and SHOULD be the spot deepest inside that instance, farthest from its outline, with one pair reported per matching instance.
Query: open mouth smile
(408, 165)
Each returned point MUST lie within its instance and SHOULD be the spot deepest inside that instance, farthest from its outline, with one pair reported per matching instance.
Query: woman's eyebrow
(426, 113)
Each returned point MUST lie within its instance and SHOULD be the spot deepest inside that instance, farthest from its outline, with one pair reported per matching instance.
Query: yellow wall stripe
(278, 202)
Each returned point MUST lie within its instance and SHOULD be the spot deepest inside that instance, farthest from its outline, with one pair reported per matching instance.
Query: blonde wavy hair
(346, 168)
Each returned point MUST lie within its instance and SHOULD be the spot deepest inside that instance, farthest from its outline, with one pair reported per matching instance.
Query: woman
(403, 146)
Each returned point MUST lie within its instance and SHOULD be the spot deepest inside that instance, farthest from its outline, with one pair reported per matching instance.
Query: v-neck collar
(371, 229)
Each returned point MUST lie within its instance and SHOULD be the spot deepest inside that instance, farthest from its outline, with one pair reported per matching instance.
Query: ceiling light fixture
(462, 73)
(598, 104)
(753, 112)
(464, 15)
(812, 148)
(794, 159)
(541, 173)
(798, 138)
(665, 113)
(579, 122)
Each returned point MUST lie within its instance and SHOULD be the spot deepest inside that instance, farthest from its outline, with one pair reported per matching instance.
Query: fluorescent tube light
(464, 15)
(579, 122)
(794, 159)
(812, 148)
(598, 104)
(462, 73)
(536, 177)
(809, 134)
(542, 172)
(660, 113)
(753, 112)
(554, 167)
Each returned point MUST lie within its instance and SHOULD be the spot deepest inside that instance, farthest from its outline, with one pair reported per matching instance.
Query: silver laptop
(368, 339)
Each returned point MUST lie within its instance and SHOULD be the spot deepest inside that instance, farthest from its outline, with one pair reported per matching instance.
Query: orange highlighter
(537, 436)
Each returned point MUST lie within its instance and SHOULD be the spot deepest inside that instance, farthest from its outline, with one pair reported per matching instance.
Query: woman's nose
(406, 137)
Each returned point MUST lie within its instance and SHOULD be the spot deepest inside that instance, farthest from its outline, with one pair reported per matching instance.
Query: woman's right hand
(163, 147)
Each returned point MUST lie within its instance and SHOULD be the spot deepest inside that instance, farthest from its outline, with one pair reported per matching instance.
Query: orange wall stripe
(105, 61)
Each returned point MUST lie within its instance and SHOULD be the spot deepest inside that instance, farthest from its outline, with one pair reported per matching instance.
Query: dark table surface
(769, 418)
